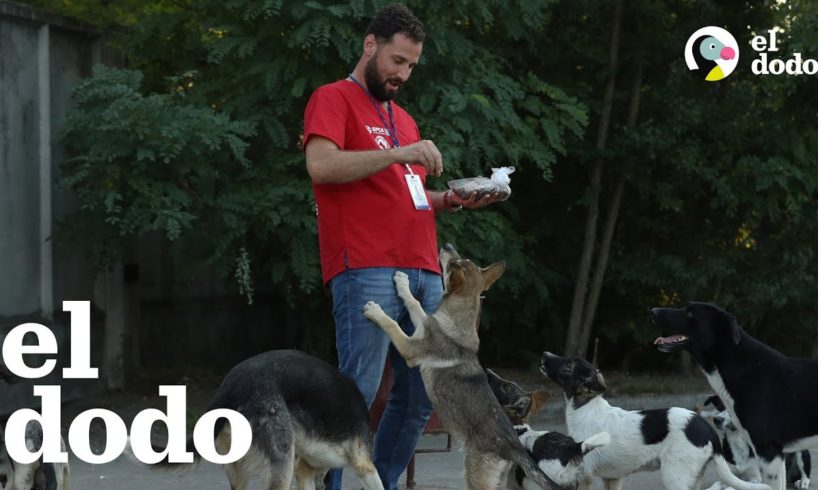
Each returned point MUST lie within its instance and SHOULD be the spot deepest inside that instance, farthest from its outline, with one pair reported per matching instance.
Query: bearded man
(368, 166)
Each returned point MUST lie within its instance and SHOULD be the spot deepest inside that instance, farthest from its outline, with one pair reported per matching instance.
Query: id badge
(417, 192)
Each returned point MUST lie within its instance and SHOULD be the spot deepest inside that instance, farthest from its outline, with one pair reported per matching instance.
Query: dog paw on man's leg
(402, 284)
(402, 342)
(413, 306)
(375, 314)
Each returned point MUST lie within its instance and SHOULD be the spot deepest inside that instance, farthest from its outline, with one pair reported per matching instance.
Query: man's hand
(423, 152)
(474, 202)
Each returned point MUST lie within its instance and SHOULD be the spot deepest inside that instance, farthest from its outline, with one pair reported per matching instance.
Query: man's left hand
(474, 202)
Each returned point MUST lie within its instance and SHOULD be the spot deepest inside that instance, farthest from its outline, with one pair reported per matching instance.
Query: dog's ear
(457, 280)
(597, 384)
(731, 323)
(492, 273)
(538, 399)
(715, 401)
(734, 328)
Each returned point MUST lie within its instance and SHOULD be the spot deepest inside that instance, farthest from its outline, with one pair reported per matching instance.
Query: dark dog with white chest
(770, 397)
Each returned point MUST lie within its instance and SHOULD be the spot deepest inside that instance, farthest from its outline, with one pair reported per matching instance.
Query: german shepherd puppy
(518, 403)
(444, 346)
(305, 416)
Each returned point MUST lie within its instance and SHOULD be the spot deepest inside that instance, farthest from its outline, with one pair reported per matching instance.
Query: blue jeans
(362, 350)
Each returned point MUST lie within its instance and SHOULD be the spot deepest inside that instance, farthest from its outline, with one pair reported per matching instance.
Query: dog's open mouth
(671, 343)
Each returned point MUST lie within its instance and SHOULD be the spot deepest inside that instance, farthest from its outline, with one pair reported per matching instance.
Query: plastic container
(482, 186)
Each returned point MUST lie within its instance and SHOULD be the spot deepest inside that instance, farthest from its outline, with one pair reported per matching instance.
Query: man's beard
(374, 83)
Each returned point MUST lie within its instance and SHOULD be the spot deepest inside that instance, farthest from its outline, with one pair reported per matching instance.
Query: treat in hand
(483, 186)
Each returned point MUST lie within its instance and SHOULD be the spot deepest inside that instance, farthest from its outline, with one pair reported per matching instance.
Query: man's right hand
(423, 152)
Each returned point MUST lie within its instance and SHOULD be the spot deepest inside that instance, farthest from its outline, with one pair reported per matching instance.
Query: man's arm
(328, 164)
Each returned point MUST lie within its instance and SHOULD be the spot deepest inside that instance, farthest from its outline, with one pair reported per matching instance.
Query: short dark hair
(396, 18)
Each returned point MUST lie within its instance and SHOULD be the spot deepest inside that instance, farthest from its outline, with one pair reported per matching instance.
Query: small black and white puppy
(558, 456)
(675, 440)
(739, 453)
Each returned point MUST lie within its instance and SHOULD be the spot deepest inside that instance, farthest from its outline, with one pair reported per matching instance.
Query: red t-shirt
(370, 222)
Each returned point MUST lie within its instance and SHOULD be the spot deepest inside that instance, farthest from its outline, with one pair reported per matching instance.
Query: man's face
(391, 65)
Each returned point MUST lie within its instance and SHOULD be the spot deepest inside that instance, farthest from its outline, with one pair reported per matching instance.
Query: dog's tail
(595, 441)
(727, 476)
(531, 470)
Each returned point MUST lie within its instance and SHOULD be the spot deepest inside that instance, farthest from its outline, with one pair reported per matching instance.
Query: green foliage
(235, 77)
(199, 140)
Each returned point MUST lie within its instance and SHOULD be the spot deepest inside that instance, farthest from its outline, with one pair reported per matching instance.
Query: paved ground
(434, 471)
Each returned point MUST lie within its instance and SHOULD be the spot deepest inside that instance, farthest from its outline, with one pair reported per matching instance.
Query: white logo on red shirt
(381, 142)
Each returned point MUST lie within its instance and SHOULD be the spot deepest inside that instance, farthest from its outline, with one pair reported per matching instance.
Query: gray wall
(20, 288)
(42, 57)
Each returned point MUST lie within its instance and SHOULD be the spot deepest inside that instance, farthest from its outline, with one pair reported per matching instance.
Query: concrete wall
(20, 288)
(42, 57)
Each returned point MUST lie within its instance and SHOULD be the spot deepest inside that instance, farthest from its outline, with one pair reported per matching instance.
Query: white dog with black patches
(675, 440)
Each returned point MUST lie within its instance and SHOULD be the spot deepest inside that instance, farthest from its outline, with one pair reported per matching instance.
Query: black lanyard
(393, 131)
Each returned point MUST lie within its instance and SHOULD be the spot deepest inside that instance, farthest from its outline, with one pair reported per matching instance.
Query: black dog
(770, 397)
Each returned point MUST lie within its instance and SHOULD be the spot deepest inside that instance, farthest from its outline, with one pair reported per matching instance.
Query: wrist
(447, 203)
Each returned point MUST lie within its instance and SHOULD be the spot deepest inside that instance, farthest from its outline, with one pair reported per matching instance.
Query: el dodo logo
(15, 350)
(712, 53)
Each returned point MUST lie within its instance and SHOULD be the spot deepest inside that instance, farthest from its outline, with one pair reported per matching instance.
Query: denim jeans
(362, 350)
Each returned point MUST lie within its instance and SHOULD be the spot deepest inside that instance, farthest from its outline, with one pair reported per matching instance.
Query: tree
(705, 190)
(230, 191)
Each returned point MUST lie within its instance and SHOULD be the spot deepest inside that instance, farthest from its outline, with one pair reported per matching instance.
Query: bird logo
(712, 53)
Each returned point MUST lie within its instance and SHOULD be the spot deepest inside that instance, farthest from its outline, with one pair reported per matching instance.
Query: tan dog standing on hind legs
(444, 346)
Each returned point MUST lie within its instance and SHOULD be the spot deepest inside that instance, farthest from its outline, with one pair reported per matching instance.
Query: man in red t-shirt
(368, 166)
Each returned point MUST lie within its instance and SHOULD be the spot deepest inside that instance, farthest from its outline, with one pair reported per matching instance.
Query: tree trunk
(612, 218)
(584, 268)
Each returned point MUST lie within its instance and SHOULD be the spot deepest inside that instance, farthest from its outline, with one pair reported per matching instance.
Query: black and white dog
(739, 453)
(770, 397)
(559, 456)
(675, 440)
